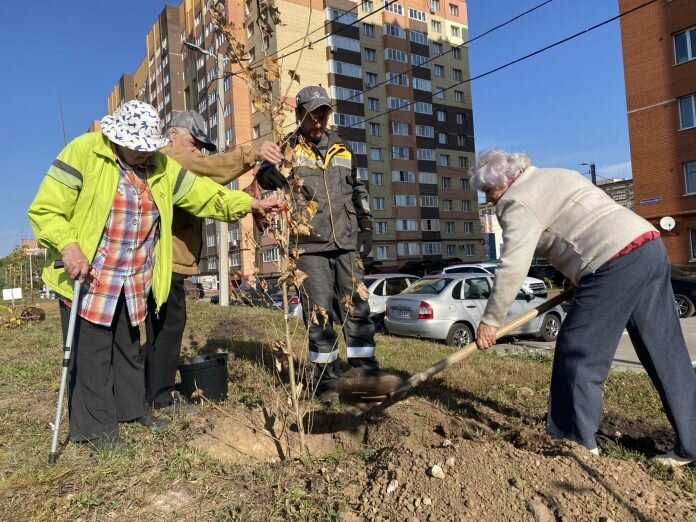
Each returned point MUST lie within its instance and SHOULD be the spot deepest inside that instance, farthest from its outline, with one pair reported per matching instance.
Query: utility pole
(224, 246)
(593, 172)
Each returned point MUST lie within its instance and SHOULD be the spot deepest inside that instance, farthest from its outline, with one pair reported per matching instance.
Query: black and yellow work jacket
(331, 180)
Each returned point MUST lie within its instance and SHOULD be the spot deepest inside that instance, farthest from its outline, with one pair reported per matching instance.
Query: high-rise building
(659, 49)
(398, 73)
(620, 190)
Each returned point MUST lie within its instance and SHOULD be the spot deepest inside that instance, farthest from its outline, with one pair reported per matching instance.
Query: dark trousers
(632, 292)
(165, 332)
(106, 375)
(333, 277)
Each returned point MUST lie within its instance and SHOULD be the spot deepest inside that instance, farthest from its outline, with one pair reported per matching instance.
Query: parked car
(548, 272)
(449, 308)
(684, 288)
(193, 290)
(531, 284)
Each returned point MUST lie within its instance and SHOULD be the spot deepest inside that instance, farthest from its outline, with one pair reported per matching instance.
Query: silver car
(449, 307)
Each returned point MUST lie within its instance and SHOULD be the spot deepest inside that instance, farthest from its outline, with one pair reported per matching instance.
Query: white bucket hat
(136, 126)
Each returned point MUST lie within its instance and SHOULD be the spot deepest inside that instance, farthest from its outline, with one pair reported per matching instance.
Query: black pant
(106, 375)
(334, 277)
(164, 335)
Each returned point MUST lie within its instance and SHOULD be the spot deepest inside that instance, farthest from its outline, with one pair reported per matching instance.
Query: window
(439, 70)
(235, 259)
(228, 135)
(447, 205)
(345, 69)
(437, 47)
(380, 228)
(345, 17)
(358, 147)
(403, 176)
(466, 205)
(256, 131)
(439, 93)
(449, 227)
(211, 240)
(468, 227)
(436, 27)
(343, 93)
(398, 103)
(419, 60)
(458, 75)
(378, 203)
(348, 120)
(685, 45)
(461, 140)
(457, 53)
(382, 253)
(692, 237)
(368, 29)
(442, 138)
(370, 55)
(404, 201)
(397, 79)
(400, 152)
(430, 225)
(455, 31)
(429, 201)
(428, 178)
(423, 107)
(399, 129)
(375, 154)
(378, 179)
(469, 250)
(451, 251)
(394, 30)
(441, 115)
(687, 114)
(367, 6)
(415, 14)
(212, 263)
(362, 172)
(271, 254)
(213, 120)
(200, 61)
(374, 129)
(370, 79)
(466, 184)
(406, 225)
(227, 110)
(464, 164)
(421, 84)
(461, 119)
(690, 176)
(199, 17)
(394, 54)
(425, 154)
(434, 6)
(341, 42)
(227, 84)
(446, 183)
(426, 131)
(431, 249)
(393, 7)
(408, 249)
(454, 10)
(373, 104)
(418, 37)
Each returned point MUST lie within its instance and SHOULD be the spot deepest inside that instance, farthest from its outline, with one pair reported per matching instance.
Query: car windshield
(427, 286)
(491, 269)
(369, 281)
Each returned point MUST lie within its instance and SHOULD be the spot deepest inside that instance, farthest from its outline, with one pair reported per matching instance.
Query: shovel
(389, 389)
(55, 427)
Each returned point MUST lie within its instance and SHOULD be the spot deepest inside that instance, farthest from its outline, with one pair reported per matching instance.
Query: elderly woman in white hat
(105, 209)
(619, 265)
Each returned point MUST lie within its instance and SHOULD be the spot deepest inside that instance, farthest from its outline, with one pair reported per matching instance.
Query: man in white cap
(105, 209)
(187, 139)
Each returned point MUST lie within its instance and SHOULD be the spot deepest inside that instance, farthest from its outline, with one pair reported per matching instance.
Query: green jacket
(76, 195)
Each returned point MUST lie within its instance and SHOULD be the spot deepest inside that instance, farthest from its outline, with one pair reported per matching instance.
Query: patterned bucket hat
(136, 126)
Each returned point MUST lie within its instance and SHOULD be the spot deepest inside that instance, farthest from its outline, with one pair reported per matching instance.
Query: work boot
(177, 406)
(150, 420)
(324, 382)
(112, 444)
(363, 363)
(672, 460)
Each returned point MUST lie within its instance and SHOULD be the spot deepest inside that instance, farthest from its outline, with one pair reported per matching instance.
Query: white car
(530, 284)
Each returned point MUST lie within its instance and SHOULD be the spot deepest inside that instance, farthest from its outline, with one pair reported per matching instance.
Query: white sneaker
(594, 451)
(672, 460)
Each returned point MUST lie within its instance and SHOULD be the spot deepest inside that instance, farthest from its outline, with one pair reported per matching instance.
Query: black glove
(270, 178)
(365, 242)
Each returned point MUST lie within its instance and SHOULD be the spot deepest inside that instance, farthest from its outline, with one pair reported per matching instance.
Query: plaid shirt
(126, 255)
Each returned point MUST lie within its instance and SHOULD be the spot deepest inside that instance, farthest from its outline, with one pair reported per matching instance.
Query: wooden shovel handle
(471, 348)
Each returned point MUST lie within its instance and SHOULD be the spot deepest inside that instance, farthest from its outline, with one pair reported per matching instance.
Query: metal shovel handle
(471, 348)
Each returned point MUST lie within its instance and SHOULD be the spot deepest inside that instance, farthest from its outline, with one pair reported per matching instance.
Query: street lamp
(223, 229)
(593, 172)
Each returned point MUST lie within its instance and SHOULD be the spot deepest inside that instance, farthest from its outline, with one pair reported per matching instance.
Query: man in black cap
(187, 139)
(328, 254)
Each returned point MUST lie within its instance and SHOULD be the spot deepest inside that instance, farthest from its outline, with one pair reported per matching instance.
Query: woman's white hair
(496, 168)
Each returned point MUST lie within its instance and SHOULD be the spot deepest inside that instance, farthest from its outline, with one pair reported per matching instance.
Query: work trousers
(631, 292)
(331, 276)
(165, 332)
(107, 381)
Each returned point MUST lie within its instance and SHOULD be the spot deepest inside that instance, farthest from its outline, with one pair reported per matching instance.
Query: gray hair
(497, 168)
(179, 130)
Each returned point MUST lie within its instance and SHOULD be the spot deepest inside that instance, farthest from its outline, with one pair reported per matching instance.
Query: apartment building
(620, 190)
(402, 102)
(659, 49)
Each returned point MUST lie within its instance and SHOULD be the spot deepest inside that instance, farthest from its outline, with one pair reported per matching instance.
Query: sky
(564, 107)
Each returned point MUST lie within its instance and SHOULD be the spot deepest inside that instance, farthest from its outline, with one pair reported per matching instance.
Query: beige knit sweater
(563, 217)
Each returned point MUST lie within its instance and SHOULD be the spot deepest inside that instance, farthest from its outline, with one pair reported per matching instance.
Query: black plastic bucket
(207, 373)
